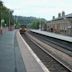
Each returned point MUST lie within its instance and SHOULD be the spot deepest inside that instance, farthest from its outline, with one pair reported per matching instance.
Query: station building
(60, 25)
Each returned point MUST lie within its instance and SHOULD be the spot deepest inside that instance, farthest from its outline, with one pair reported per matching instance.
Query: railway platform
(54, 35)
(15, 56)
(10, 57)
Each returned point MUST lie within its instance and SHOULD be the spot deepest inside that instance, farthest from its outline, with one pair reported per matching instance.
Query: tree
(35, 24)
(6, 14)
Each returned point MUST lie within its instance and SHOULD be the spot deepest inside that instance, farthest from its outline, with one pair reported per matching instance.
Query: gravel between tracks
(54, 42)
(50, 63)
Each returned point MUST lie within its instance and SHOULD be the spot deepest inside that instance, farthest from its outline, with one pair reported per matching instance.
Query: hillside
(24, 20)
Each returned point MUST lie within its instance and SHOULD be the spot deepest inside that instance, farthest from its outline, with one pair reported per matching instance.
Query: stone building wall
(62, 26)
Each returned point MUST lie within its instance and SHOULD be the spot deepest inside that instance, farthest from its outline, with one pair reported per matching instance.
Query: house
(61, 25)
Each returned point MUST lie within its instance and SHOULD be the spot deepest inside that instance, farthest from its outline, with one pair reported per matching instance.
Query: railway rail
(51, 57)
(61, 45)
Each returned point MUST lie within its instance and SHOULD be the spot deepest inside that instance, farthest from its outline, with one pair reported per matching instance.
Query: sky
(39, 8)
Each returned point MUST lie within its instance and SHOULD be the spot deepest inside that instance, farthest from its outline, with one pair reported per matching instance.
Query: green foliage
(17, 25)
(24, 20)
(30, 22)
(1, 3)
(35, 24)
(6, 14)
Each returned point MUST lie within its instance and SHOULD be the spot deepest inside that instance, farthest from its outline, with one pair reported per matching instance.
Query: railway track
(50, 59)
(61, 45)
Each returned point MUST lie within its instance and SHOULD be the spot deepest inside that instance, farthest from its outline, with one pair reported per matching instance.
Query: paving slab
(10, 56)
(54, 35)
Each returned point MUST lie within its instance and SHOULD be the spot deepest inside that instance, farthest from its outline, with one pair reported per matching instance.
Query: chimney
(59, 15)
(53, 17)
(63, 14)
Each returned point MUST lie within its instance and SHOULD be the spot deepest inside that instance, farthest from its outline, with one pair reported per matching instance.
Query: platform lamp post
(9, 20)
(10, 16)
(40, 25)
(5, 25)
(14, 21)
(14, 25)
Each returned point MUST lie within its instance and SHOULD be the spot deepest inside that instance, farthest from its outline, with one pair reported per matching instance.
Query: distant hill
(24, 20)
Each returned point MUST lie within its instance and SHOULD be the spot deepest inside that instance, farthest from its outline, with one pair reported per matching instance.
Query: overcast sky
(39, 8)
